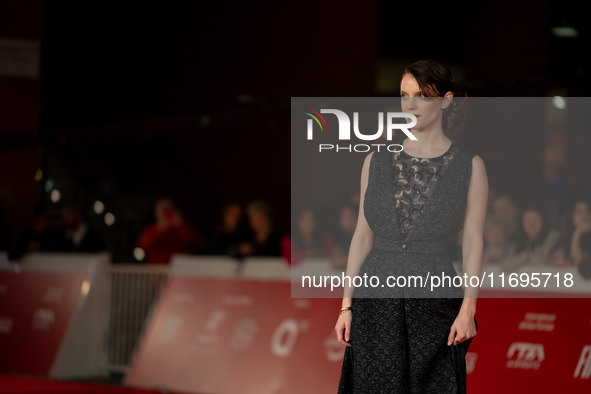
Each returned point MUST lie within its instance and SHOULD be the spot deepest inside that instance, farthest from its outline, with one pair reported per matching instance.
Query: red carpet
(19, 384)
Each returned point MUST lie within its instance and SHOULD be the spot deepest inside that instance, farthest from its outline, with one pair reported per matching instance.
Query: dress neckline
(429, 158)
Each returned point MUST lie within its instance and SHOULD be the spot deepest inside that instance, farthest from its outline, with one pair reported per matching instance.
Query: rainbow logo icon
(315, 115)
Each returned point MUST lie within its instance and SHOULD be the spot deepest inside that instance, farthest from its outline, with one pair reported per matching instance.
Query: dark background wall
(189, 99)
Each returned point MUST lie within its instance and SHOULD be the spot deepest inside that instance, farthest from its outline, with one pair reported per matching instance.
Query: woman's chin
(417, 130)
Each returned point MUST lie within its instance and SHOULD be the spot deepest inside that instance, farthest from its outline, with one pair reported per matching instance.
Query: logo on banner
(537, 322)
(43, 319)
(208, 341)
(286, 335)
(54, 295)
(345, 127)
(170, 328)
(525, 355)
(5, 325)
(583, 368)
(471, 361)
(243, 334)
(333, 350)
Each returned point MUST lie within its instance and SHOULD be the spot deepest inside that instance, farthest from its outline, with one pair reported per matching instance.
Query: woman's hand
(462, 329)
(343, 328)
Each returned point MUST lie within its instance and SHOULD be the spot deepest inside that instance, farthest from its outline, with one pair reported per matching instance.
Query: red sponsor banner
(21, 384)
(239, 336)
(531, 345)
(246, 336)
(35, 311)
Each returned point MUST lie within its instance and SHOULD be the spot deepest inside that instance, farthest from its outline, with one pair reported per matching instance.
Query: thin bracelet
(345, 309)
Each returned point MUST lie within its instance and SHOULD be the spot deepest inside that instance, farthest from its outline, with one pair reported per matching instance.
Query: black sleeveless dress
(399, 334)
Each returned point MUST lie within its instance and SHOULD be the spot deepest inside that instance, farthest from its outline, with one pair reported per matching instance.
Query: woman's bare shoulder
(478, 164)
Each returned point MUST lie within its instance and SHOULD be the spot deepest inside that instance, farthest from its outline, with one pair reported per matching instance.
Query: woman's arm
(361, 244)
(363, 237)
(575, 246)
(472, 240)
(550, 243)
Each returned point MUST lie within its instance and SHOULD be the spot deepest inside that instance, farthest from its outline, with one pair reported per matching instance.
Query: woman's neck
(428, 144)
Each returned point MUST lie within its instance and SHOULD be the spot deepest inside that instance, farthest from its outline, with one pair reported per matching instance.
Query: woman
(575, 246)
(169, 235)
(341, 236)
(230, 232)
(411, 203)
(496, 247)
(265, 239)
(534, 241)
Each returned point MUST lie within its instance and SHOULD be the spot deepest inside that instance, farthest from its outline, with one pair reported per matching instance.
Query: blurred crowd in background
(514, 237)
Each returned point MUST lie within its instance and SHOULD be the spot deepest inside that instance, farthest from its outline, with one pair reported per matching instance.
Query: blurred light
(565, 31)
(109, 219)
(98, 207)
(85, 287)
(559, 102)
(49, 184)
(139, 253)
(205, 120)
(38, 175)
(244, 98)
(55, 195)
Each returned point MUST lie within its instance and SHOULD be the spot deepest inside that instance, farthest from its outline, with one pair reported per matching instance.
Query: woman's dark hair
(435, 80)
(261, 206)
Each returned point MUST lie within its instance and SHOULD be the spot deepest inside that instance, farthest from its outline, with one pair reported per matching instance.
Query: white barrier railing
(132, 292)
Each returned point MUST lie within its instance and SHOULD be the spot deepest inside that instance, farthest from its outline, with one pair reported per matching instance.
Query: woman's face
(532, 223)
(581, 214)
(494, 235)
(505, 209)
(259, 221)
(307, 223)
(348, 220)
(232, 217)
(428, 110)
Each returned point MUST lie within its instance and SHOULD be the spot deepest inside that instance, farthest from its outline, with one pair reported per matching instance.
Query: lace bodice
(414, 180)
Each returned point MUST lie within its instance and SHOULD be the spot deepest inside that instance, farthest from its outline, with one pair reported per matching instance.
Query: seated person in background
(506, 213)
(307, 240)
(575, 246)
(77, 236)
(170, 234)
(496, 247)
(265, 240)
(35, 238)
(342, 236)
(230, 232)
(534, 241)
